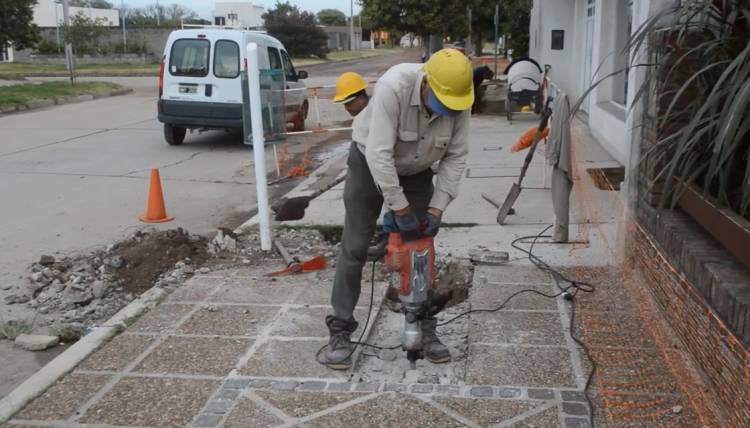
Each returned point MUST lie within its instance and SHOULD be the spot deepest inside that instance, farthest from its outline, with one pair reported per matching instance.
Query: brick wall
(700, 289)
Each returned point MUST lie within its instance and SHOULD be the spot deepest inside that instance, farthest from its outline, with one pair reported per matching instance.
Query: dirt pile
(92, 287)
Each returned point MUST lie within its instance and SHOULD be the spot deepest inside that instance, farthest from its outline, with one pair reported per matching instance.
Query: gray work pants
(363, 203)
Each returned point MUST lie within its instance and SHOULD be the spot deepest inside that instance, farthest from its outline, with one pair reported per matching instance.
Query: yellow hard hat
(347, 85)
(450, 76)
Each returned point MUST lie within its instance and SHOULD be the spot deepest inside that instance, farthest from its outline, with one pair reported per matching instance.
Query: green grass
(23, 94)
(19, 70)
(346, 55)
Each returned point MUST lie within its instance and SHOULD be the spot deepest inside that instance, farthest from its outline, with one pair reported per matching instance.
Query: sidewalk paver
(235, 348)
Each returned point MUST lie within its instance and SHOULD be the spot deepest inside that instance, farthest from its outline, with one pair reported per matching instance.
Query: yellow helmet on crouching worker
(450, 76)
(347, 85)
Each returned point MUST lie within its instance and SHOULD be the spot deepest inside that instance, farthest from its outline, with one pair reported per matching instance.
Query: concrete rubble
(36, 342)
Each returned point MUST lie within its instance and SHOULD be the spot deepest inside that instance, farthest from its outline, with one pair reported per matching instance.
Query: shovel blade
(315, 263)
(515, 190)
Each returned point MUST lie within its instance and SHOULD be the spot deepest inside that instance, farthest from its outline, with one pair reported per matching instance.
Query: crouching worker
(418, 116)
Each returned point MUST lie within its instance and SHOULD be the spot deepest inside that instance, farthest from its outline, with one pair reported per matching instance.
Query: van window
(288, 67)
(227, 59)
(189, 57)
(274, 58)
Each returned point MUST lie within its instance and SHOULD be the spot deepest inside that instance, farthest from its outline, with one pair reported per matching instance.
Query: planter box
(727, 227)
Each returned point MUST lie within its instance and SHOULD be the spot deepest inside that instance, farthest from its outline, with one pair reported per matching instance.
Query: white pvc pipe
(259, 150)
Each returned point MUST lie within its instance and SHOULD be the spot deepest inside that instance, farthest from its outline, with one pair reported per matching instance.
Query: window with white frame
(621, 58)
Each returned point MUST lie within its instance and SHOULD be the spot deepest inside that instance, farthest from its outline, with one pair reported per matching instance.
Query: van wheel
(174, 135)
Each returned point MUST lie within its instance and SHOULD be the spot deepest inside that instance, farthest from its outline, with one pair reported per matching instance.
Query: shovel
(293, 265)
(515, 190)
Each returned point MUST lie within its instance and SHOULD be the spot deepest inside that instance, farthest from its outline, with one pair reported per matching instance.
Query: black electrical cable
(559, 278)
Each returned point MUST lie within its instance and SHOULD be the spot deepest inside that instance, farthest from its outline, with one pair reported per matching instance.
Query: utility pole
(124, 34)
(469, 49)
(69, 60)
(497, 28)
(351, 25)
(158, 12)
(57, 25)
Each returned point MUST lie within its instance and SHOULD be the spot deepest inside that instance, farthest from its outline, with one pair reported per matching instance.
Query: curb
(328, 175)
(68, 360)
(49, 102)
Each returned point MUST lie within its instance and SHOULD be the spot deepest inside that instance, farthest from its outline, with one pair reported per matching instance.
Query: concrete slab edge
(49, 102)
(306, 187)
(68, 360)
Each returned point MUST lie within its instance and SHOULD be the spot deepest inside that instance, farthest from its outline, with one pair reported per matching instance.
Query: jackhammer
(412, 272)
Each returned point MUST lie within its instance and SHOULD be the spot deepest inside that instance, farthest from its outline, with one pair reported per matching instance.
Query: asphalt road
(75, 177)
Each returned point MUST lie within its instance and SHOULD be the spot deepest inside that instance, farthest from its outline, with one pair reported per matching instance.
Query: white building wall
(249, 15)
(610, 121)
(49, 14)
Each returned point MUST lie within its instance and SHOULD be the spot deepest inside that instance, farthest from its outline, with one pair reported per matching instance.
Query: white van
(200, 85)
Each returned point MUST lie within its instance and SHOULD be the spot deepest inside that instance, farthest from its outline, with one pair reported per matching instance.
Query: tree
(84, 33)
(331, 17)
(296, 29)
(16, 24)
(96, 4)
(168, 16)
(514, 21)
(422, 17)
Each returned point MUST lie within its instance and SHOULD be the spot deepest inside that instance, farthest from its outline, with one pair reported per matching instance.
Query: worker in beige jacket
(417, 117)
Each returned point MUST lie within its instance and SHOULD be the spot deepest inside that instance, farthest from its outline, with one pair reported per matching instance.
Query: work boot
(433, 349)
(338, 353)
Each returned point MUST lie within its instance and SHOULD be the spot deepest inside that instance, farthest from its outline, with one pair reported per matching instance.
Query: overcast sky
(205, 8)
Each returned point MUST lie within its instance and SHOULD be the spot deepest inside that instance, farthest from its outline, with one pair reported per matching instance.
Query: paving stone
(196, 291)
(603, 329)
(218, 406)
(422, 388)
(236, 383)
(246, 410)
(160, 319)
(541, 394)
(294, 358)
(547, 418)
(313, 385)
(512, 274)
(260, 383)
(284, 385)
(576, 409)
(227, 394)
(118, 353)
(513, 365)
(481, 391)
(449, 389)
(228, 320)
(396, 387)
(207, 420)
(577, 423)
(161, 402)
(339, 386)
(388, 410)
(505, 392)
(492, 295)
(309, 322)
(366, 387)
(301, 404)
(526, 328)
(62, 400)
(267, 290)
(486, 412)
(36, 342)
(573, 396)
(195, 355)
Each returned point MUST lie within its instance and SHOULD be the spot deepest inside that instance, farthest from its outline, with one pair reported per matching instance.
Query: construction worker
(351, 91)
(418, 116)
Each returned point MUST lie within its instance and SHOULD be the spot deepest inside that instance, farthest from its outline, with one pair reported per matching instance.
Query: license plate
(188, 90)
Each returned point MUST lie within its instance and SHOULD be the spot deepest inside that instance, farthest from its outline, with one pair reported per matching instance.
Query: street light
(57, 24)
(351, 25)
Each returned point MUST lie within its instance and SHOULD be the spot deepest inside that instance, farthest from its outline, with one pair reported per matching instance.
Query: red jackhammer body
(412, 267)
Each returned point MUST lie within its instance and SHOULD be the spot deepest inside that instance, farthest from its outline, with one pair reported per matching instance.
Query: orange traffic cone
(155, 211)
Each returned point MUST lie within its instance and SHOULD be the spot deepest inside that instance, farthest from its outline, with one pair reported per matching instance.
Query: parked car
(200, 85)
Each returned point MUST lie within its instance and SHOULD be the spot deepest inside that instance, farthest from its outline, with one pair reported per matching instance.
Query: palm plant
(699, 73)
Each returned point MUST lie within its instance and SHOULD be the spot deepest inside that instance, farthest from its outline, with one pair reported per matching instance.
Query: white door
(588, 51)
(226, 72)
(187, 75)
